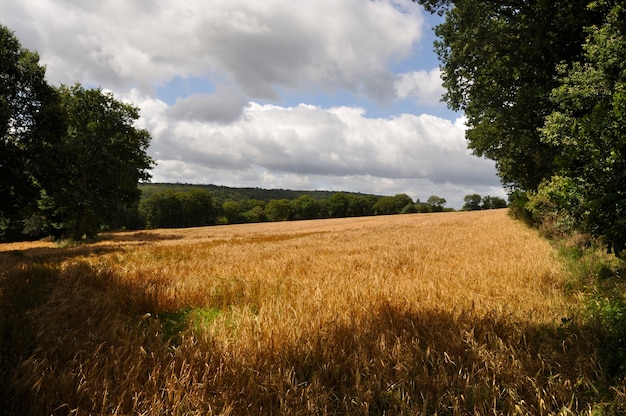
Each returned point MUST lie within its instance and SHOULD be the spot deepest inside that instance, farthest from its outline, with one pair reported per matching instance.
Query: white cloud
(425, 87)
(261, 46)
(225, 105)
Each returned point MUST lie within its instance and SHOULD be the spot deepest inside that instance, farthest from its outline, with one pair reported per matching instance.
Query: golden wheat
(456, 313)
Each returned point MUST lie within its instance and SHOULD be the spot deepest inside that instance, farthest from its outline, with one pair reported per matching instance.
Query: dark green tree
(101, 159)
(254, 214)
(499, 63)
(278, 210)
(409, 209)
(253, 210)
(231, 210)
(401, 201)
(436, 202)
(423, 207)
(172, 208)
(30, 126)
(198, 208)
(472, 202)
(338, 205)
(304, 208)
(588, 130)
(385, 205)
(492, 202)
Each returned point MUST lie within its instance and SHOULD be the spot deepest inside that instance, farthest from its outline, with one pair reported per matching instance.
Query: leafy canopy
(30, 124)
(499, 63)
(588, 127)
(102, 157)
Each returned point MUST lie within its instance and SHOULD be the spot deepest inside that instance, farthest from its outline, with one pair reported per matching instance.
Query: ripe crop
(455, 313)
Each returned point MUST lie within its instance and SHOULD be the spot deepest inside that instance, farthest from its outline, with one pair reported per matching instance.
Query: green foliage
(493, 202)
(437, 203)
(305, 208)
(173, 324)
(475, 202)
(499, 64)
(597, 278)
(588, 128)
(30, 125)
(338, 205)
(543, 86)
(278, 210)
(101, 158)
(254, 214)
(518, 201)
(557, 206)
(387, 205)
(472, 202)
(409, 209)
(231, 210)
(610, 313)
(179, 209)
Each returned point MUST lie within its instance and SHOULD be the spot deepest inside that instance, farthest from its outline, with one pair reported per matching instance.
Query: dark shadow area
(138, 236)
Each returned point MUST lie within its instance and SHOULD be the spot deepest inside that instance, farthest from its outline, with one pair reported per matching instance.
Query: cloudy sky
(293, 94)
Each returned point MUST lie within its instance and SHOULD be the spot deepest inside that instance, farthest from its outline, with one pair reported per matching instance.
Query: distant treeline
(183, 205)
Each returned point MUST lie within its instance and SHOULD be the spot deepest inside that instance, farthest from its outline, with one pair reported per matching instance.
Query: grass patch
(175, 324)
(597, 278)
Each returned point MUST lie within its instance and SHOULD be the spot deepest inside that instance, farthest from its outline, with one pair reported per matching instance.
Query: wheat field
(448, 313)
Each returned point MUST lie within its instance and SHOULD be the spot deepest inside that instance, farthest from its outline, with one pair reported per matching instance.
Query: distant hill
(226, 193)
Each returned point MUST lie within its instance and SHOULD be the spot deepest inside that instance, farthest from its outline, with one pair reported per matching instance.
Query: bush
(557, 206)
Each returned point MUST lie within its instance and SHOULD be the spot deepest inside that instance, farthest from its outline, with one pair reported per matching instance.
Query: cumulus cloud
(425, 87)
(224, 106)
(261, 47)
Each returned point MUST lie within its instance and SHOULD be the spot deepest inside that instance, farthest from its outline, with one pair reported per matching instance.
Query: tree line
(196, 206)
(543, 87)
(175, 205)
(70, 157)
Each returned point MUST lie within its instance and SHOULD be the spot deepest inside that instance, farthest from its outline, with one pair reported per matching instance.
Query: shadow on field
(396, 361)
(139, 236)
(76, 340)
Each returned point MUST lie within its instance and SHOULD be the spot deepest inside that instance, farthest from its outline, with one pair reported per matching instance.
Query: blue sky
(286, 94)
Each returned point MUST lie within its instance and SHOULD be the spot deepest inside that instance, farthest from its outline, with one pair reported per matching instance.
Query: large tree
(499, 64)
(30, 125)
(102, 158)
(588, 127)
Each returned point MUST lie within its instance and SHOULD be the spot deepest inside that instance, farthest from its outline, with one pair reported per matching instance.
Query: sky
(290, 94)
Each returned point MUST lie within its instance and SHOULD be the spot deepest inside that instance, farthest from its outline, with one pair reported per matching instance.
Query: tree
(171, 208)
(254, 214)
(499, 63)
(436, 202)
(588, 130)
(493, 202)
(102, 158)
(472, 202)
(198, 208)
(338, 205)
(423, 207)
(30, 125)
(401, 201)
(385, 205)
(278, 210)
(305, 208)
(231, 210)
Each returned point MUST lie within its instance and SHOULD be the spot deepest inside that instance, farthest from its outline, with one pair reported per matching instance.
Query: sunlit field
(448, 313)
